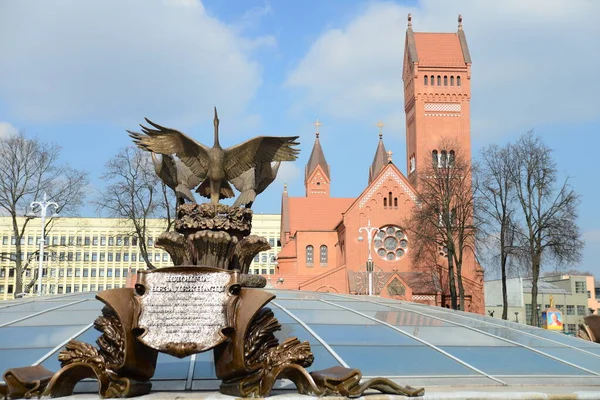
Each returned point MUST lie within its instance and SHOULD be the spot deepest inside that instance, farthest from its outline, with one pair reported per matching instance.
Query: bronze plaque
(186, 310)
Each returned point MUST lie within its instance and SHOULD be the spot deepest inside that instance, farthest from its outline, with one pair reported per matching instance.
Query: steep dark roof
(317, 157)
(379, 161)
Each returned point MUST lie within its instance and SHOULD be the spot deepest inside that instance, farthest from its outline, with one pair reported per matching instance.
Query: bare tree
(28, 168)
(135, 194)
(548, 213)
(495, 210)
(443, 218)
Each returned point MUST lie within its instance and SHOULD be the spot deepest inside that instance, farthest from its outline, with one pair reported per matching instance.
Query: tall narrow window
(445, 81)
(452, 81)
(395, 202)
(425, 80)
(310, 255)
(439, 80)
(451, 157)
(384, 202)
(458, 81)
(432, 80)
(444, 159)
(323, 255)
(434, 158)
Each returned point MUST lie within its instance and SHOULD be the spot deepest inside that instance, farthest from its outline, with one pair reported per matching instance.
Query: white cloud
(534, 61)
(118, 61)
(7, 129)
(288, 172)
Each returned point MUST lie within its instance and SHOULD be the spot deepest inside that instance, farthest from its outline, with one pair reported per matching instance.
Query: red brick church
(320, 233)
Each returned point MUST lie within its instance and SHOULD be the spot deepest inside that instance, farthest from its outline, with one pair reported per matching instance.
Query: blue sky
(81, 72)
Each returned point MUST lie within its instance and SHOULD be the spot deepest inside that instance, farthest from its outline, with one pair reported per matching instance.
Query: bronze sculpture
(176, 176)
(207, 301)
(253, 182)
(217, 166)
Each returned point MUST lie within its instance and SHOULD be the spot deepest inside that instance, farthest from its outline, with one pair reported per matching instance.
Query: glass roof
(410, 343)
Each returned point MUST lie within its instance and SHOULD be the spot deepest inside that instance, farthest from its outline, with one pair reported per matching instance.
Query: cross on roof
(380, 125)
(389, 153)
(317, 124)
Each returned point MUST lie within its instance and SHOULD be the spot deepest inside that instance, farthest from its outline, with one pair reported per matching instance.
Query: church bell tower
(437, 93)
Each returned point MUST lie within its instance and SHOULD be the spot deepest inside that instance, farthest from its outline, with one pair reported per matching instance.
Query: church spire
(317, 157)
(381, 156)
(316, 174)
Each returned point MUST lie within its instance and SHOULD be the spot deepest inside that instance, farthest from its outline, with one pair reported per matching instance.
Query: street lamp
(43, 205)
(369, 230)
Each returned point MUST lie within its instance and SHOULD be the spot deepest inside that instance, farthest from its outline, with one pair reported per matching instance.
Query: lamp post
(369, 230)
(43, 205)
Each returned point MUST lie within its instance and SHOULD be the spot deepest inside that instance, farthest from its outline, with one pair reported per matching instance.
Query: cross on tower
(380, 125)
(389, 153)
(317, 124)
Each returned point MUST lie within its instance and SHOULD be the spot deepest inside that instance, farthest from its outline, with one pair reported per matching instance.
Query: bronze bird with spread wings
(216, 166)
(253, 182)
(176, 176)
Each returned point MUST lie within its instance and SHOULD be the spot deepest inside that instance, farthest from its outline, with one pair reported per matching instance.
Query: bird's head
(216, 124)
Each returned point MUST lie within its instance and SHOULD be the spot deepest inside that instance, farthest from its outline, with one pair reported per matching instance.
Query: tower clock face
(361, 280)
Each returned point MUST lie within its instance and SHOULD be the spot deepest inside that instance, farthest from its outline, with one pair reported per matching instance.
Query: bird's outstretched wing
(170, 141)
(244, 156)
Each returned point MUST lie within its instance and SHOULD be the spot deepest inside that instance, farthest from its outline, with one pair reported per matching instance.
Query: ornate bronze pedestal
(207, 301)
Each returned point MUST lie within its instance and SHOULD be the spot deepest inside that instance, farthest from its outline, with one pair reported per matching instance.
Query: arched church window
(445, 81)
(439, 80)
(458, 81)
(390, 243)
(425, 79)
(443, 159)
(452, 81)
(395, 202)
(432, 80)
(310, 255)
(412, 163)
(451, 157)
(323, 255)
(434, 158)
(384, 202)
(390, 199)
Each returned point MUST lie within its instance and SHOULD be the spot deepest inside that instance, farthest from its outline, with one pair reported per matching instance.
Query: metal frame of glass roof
(410, 343)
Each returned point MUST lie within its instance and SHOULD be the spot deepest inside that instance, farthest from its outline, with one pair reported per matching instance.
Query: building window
(150, 242)
(111, 241)
(571, 328)
(580, 287)
(86, 256)
(126, 257)
(117, 273)
(323, 255)
(133, 257)
(425, 79)
(395, 202)
(434, 158)
(390, 243)
(451, 158)
(271, 242)
(452, 81)
(134, 241)
(29, 240)
(117, 257)
(445, 81)
(78, 256)
(5, 240)
(94, 256)
(78, 272)
(100, 273)
(119, 241)
(126, 241)
(85, 272)
(109, 257)
(256, 258)
(439, 80)
(412, 163)
(93, 272)
(580, 310)
(124, 272)
(157, 256)
(589, 294)
(109, 273)
(84, 288)
(384, 202)
(570, 309)
(309, 255)
(458, 81)
(263, 258)
(69, 272)
(102, 240)
(93, 287)
(86, 241)
(165, 257)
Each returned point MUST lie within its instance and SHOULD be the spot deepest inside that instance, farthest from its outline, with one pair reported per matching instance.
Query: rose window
(390, 243)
